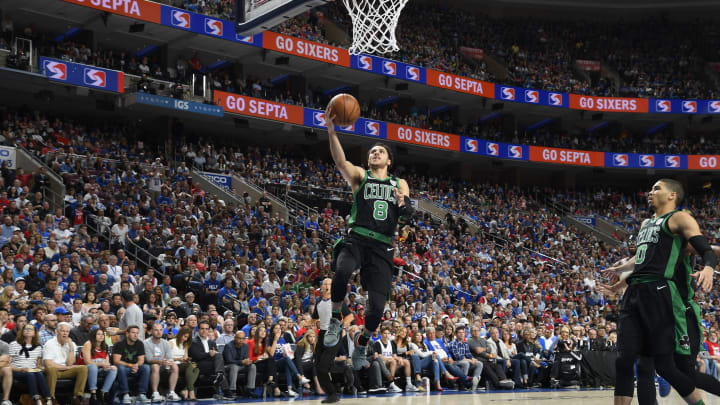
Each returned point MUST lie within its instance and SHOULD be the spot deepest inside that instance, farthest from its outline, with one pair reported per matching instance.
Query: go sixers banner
(82, 75)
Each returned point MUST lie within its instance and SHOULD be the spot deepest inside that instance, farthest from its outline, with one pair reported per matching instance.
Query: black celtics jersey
(660, 253)
(374, 211)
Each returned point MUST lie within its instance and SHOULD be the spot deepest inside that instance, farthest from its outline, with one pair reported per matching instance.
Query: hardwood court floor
(526, 397)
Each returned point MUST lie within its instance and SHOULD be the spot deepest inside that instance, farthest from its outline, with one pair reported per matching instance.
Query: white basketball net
(374, 23)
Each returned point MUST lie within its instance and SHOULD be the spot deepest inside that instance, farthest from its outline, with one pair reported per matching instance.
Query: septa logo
(507, 93)
(555, 99)
(319, 119)
(180, 19)
(365, 62)
(532, 96)
(247, 40)
(413, 73)
(213, 27)
(471, 145)
(389, 68)
(493, 149)
(620, 159)
(515, 152)
(647, 161)
(663, 106)
(94, 77)
(372, 128)
(349, 128)
(672, 161)
(714, 107)
(689, 106)
(56, 70)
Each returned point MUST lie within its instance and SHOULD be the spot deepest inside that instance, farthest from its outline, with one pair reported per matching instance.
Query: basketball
(345, 108)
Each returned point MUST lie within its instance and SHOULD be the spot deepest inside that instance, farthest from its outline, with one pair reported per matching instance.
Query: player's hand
(610, 271)
(330, 118)
(400, 197)
(705, 278)
(608, 289)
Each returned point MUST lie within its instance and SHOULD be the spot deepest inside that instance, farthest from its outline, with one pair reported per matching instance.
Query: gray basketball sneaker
(332, 336)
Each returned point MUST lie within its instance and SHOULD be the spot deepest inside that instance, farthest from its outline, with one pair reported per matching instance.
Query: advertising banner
(256, 107)
(82, 75)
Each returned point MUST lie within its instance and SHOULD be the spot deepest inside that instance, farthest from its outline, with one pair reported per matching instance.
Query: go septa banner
(460, 83)
(567, 156)
(138, 9)
(256, 107)
(82, 75)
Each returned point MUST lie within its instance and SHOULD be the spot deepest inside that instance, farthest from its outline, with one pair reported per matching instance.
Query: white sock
(408, 380)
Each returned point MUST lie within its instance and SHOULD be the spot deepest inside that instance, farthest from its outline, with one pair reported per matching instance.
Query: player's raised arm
(684, 224)
(351, 173)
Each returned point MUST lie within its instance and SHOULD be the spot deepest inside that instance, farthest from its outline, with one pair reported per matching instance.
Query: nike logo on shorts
(661, 287)
(390, 249)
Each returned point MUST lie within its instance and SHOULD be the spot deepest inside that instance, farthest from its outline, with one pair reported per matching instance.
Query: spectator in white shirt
(59, 357)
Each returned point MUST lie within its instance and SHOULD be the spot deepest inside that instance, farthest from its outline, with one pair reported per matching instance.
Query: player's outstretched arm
(684, 224)
(351, 173)
(618, 269)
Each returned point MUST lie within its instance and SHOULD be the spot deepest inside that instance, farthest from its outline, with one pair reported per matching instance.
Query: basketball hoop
(374, 23)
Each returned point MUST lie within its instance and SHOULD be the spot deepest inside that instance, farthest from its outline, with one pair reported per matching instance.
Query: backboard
(255, 16)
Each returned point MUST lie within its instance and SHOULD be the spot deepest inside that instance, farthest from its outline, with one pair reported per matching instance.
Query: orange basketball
(346, 109)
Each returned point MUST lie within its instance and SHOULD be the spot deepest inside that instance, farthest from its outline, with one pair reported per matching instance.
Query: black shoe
(230, 394)
(93, 399)
(218, 378)
(331, 399)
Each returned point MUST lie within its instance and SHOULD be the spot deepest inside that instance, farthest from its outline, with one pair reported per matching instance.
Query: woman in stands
(529, 352)
(514, 355)
(304, 357)
(261, 353)
(119, 234)
(89, 302)
(95, 355)
(153, 302)
(283, 360)
(424, 359)
(179, 351)
(404, 351)
(27, 366)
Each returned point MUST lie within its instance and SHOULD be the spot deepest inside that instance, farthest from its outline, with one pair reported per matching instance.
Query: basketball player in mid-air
(653, 318)
(379, 200)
